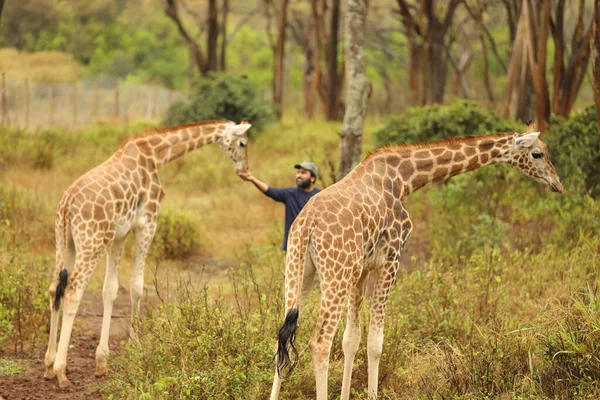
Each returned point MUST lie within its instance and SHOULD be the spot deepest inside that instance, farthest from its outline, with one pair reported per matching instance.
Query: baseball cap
(307, 165)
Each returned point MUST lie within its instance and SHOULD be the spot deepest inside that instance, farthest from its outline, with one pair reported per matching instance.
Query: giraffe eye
(242, 144)
(537, 154)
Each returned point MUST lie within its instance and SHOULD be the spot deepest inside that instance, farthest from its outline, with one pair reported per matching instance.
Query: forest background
(499, 297)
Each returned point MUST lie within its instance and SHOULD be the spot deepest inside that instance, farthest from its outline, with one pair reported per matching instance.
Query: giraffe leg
(143, 239)
(352, 333)
(76, 285)
(109, 294)
(385, 282)
(51, 352)
(332, 302)
(54, 314)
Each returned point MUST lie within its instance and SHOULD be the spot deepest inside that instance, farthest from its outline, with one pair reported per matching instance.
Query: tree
(426, 33)
(529, 52)
(319, 41)
(595, 55)
(278, 47)
(204, 63)
(569, 73)
(359, 89)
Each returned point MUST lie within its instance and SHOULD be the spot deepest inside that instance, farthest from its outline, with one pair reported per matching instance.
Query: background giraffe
(352, 233)
(97, 212)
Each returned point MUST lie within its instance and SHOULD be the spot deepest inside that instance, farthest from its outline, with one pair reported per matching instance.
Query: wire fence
(32, 105)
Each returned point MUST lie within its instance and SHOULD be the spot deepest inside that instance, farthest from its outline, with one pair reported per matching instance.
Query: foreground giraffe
(99, 209)
(353, 232)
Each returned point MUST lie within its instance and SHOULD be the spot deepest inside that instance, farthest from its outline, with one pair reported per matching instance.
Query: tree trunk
(568, 80)
(433, 60)
(537, 45)
(411, 31)
(279, 58)
(359, 89)
(224, 14)
(212, 35)
(595, 50)
(331, 57)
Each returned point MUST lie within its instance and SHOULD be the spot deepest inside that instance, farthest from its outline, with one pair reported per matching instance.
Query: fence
(30, 105)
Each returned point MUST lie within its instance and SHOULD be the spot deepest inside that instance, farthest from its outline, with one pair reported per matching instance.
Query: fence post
(116, 110)
(4, 120)
(27, 103)
(51, 104)
(74, 99)
(95, 100)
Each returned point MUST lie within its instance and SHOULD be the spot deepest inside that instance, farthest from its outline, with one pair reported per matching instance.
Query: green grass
(9, 366)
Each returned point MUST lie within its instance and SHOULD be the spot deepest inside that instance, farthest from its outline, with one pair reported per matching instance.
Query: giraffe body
(351, 235)
(98, 211)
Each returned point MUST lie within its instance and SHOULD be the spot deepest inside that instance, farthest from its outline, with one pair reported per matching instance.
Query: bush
(176, 236)
(424, 124)
(223, 96)
(196, 346)
(575, 151)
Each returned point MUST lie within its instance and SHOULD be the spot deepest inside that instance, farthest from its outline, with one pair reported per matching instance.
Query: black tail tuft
(63, 277)
(286, 338)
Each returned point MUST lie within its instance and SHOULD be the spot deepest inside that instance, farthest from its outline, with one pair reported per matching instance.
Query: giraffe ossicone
(99, 210)
(353, 232)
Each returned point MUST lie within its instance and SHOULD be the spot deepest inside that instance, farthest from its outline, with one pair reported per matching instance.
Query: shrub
(223, 96)
(461, 118)
(575, 151)
(176, 236)
(23, 288)
(195, 346)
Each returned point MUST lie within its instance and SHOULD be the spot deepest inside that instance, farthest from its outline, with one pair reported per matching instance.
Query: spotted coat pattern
(102, 207)
(351, 235)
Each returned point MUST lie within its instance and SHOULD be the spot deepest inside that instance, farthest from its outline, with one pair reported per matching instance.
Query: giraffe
(351, 234)
(99, 210)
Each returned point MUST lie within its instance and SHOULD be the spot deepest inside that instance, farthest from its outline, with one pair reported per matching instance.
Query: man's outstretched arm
(260, 185)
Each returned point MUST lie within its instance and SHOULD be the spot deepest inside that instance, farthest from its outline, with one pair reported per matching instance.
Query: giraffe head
(530, 155)
(234, 141)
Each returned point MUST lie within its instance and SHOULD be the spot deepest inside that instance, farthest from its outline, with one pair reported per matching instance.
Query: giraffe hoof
(49, 374)
(63, 383)
(100, 371)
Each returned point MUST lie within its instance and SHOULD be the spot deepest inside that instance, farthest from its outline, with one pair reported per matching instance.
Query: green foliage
(571, 346)
(23, 301)
(196, 346)
(574, 145)
(222, 96)
(423, 124)
(176, 237)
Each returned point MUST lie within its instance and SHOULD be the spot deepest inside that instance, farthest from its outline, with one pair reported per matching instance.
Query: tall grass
(499, 298)
(41, 66)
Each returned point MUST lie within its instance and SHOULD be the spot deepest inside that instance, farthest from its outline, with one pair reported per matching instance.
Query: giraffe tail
(63, 277)
(285, 341)
(287, 332)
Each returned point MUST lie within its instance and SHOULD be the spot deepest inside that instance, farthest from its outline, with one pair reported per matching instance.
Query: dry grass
(43, 66)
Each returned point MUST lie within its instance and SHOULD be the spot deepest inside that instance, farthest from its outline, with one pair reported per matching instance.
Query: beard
(303, 184)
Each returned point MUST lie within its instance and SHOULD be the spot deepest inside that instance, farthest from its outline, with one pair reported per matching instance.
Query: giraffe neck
(422, 165)
(168, 144)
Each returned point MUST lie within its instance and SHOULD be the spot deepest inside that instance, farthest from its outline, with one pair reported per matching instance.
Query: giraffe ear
(241, 128)
(527, 140)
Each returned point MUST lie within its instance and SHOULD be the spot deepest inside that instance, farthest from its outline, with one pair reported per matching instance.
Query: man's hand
(246, 176)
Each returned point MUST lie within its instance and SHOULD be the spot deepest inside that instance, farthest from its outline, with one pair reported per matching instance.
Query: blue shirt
(294, 199)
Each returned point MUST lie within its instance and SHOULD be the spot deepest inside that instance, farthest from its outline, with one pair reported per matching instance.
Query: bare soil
(81, 360)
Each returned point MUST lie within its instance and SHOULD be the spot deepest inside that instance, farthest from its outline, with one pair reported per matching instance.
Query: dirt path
(81, 361)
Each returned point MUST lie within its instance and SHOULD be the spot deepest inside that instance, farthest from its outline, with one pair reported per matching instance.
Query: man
(293, 198)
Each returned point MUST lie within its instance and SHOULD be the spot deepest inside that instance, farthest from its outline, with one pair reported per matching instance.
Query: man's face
(303, 178)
